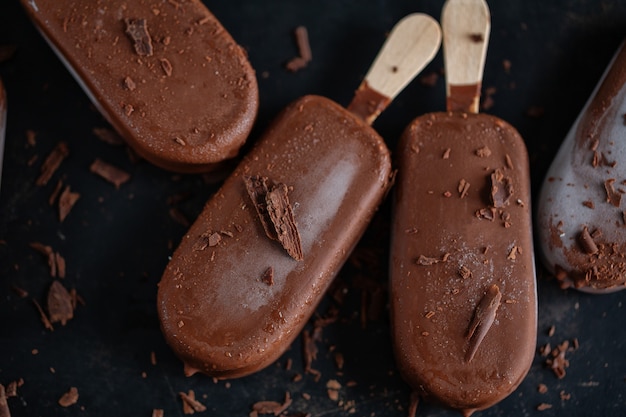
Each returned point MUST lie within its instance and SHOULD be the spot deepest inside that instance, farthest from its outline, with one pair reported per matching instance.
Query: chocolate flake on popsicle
(483, 318)
(268, 276)
(272, 206)
(586, 242)
(501, 189)
(137, 30)
(612, 196)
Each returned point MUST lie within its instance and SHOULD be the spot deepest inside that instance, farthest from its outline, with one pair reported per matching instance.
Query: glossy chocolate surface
(167, 76)
(219, 310)
(462, 280)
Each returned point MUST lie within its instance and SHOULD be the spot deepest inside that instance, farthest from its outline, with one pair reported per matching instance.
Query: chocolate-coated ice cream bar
(166, 75)
(581, 223)
(251, 270)
(462, 278)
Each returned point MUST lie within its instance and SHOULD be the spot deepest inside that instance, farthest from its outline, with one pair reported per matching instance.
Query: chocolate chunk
(268, 276)
(501, 189)
(612, 196)
(111, 173)
(483, 318)
(137, 30)
(59, 303)
(52, 163)
(463, 188)
(304, 50)
(257, 188)
(586, 242)
(190, 404)
(69, 398)
(66, 202)
(281, 214)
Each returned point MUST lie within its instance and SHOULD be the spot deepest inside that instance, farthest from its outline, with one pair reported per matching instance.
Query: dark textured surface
(117, 241)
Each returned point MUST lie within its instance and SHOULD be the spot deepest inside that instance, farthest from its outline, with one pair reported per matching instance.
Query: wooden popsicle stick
(411, 45)
(466, 25)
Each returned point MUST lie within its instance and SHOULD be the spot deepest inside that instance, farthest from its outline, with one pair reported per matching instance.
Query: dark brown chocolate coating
(462, 279)
(180, 91)
(223, 310)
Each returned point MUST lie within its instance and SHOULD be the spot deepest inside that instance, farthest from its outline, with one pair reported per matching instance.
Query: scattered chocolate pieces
(483, 152)
(272, 205)
(60, 306)
(304, 50)
(52, 163)
(111, 173)
(332, 389)
(190, 404)
(557, 362)
(483, 318)
(544, 406)
(137, 30)
(56, 262)
(69, 398)
(463, 188)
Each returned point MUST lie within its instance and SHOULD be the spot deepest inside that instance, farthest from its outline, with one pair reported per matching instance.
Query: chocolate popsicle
(166, 75)
(580, 220)
(253, 267)
(462, 279)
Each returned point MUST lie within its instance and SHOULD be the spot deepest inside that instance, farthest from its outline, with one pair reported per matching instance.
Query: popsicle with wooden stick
(251, 270)
(580, 217)
(462, 280)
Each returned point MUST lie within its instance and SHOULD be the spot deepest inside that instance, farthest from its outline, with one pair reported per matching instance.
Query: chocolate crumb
(158, 412)
(483, 152)
(612, 196)
(564, 395)
(463, 188)
(166, 65)
(488, 213)
(476, 37)
(268, 276)
(304, 50)
(109, 172)
(506, 65)
(542, 388)
(557, 362)
(589, 204)
(465, 272)
(129, 84)
(137, 30)
(551, 331)
(59, 303)
(190, 404)
(20, 292)
(544, 406)
(66, 202)
(52, 163)
(69, 398)
(43, 316)
(484, 315)
(425, 260)
(446, 154)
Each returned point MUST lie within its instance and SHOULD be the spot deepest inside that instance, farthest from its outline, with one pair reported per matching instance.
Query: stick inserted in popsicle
(166, 75)
(462, 280)
(581, 221)
(243, 283)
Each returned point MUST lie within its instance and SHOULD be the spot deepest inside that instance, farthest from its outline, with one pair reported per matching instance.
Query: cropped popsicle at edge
(167, 75)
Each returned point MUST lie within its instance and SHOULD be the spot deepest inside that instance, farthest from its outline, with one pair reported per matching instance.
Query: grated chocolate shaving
(257, 188)
(52, 163)
(465, 272)
(501, 189)
(612, 196)
(463, 188)
(304, 50)
(586, 242)
(190, 404)
(166, 65)
(137, 30)
(483, 152)
(557, 362)
(43, 316)
(60, 306)
(483, 318)
(55, 261)
(67, 200)
(111, 173)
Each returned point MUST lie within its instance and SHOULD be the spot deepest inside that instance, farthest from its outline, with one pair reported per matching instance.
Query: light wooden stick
(466, 25)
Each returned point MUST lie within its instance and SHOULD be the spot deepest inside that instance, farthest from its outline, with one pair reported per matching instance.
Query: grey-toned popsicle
(581, 222)
(462, 279)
